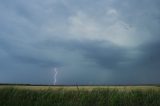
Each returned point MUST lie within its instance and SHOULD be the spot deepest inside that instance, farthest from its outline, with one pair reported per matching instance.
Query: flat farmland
(87, 88)
(22, 95)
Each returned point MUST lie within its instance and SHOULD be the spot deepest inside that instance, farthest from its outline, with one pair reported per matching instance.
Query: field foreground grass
(79, 96)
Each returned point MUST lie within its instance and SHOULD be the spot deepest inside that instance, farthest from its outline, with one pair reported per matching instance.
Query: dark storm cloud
(27, 56)
(108, 56)
(150, 56)
(152, 51)
(115, 43)
(142, 69)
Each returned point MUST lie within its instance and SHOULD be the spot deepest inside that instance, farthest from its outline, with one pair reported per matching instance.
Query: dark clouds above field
(89, 41)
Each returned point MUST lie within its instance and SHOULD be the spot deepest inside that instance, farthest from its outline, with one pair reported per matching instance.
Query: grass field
(79, 95)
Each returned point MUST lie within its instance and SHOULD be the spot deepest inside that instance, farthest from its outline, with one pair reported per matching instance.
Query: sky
(87, 41)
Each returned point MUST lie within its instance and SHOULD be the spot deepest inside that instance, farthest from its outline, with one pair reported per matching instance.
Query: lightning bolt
(55, 75)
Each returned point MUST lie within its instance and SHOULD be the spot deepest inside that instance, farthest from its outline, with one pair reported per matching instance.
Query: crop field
(12, 95)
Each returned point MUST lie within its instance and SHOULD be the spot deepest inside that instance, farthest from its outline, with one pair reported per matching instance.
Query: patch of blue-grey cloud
(90, 42)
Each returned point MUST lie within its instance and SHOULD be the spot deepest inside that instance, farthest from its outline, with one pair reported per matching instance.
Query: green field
(79, 95)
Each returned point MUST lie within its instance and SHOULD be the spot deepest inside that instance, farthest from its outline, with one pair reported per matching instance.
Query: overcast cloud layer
(89, 41)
